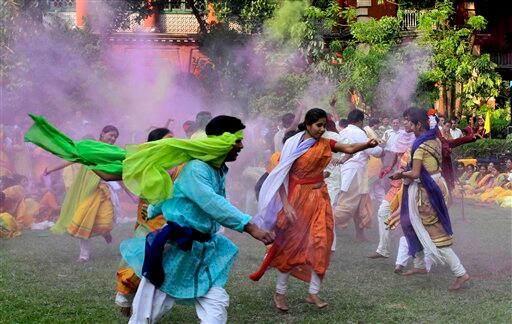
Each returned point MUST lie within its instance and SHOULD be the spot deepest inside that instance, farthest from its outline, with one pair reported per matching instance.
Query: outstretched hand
(396, 176)
(261, 235)
(372, 143)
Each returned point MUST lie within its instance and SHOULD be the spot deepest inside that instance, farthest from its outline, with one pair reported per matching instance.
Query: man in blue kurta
(200, 273)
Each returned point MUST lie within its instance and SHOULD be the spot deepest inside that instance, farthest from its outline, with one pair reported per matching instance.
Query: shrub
(486, 148)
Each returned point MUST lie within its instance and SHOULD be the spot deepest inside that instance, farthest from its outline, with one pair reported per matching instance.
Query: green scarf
(143, 166)
(93, 154)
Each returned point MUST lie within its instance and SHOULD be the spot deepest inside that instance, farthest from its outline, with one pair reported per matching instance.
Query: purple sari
(435, 197)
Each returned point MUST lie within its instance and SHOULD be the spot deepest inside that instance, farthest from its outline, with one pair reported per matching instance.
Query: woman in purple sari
(424, 215)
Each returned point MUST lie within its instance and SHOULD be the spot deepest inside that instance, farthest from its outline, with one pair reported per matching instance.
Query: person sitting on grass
(8, 226)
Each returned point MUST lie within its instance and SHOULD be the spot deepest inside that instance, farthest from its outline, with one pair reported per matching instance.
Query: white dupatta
(269, 203)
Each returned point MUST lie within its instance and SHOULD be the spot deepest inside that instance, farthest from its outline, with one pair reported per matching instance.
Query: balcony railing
(61, 5)
(502, 59)
(410, 20)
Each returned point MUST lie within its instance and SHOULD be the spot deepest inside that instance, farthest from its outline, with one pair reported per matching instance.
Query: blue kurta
(198, 202)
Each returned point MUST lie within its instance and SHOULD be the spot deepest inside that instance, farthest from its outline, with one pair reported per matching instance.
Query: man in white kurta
(353, 201)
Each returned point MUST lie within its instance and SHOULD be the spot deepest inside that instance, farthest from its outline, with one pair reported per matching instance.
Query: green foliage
(453, 59)
(282, 96)
(248, 15)
(287, 26)
(383, 31)
(365, 57)
(484, 149)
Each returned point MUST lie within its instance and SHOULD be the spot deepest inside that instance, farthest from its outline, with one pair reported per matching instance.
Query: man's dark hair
(157, 133)
(202, 119)
(343, 123)
(222, 124)
(355, 116)
(110, 128)
(373, 121)
(287, 119)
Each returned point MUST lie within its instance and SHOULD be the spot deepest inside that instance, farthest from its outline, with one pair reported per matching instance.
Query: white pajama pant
(150, 304)
(403, 257)
(85, 249)
(448, 254)
(282, 283)
(383, 214)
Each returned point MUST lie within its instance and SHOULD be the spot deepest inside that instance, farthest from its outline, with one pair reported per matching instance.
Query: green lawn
(40, 282)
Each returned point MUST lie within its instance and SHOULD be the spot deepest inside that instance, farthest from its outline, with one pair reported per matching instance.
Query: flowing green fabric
(145, 167)
(93, 154)
(83, 186)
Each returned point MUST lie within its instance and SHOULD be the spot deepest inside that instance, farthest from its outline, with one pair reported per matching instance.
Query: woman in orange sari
(300, 211)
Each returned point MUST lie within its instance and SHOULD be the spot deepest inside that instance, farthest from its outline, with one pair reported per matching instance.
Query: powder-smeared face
(317, 129)
(508, 164)
(109, 137)
(233, 154)
(446, 127)
(407, 126)
(395, 124)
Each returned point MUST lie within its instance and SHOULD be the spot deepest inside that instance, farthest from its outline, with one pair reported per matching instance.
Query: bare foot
(314, 299)
(415, 271)
(280, 302)
(82, 259)
(108, 238)
(459, 282)
(377, 255)
(126, 311)
(399, 268)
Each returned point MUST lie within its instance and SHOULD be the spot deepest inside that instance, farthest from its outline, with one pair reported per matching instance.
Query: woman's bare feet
(399, 268)
(459, 282)
(415, 271)
(377, 255)
(314, 299)
(280, 302)
(126, 311)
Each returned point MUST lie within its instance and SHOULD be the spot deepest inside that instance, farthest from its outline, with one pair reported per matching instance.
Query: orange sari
(305, 245)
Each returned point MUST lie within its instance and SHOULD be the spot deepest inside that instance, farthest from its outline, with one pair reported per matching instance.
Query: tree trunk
(445, 100)
(453, 100)
(202, 23)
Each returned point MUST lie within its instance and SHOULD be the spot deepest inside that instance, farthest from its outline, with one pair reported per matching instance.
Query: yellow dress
(94, 216)
(8, 226)
(430, 155)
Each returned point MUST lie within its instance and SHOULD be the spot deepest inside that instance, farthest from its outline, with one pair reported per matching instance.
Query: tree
(366, 55)
(454, 61)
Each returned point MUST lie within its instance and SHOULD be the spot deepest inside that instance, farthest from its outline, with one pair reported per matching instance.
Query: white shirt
(278, 139)
(333, 181)
(456, 133)
(392, 139)
(356, 168)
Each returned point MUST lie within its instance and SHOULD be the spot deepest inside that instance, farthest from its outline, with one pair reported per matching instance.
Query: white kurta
(356, 168)
(333, 181)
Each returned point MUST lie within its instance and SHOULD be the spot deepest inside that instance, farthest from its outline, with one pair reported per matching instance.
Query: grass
(40, 282)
